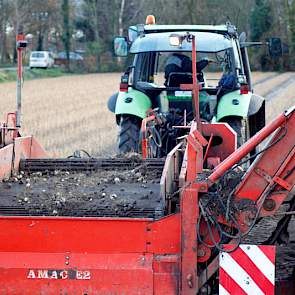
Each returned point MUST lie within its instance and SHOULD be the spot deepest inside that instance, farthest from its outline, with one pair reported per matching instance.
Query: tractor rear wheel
(128, 140)
(240, 127)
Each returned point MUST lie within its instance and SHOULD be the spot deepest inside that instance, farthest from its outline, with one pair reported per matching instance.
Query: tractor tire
(236, 123)
(128, 140)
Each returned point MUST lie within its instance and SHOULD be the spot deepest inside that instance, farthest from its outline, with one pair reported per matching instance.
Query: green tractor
(159, 68)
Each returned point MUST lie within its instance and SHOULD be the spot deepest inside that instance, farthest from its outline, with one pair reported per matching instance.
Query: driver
(180, 63)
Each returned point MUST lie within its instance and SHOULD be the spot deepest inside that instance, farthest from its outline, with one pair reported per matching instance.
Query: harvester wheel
(129, 134)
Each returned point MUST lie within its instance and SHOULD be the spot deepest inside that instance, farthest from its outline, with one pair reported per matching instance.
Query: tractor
(152, 84)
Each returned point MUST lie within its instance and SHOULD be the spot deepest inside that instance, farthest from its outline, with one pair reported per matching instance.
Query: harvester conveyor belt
(86, 164)
(114, 187)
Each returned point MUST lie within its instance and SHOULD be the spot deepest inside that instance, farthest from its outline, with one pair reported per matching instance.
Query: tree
(66, 35)
(291, 20)
(5, 11)
(89, 20)
(260, 19)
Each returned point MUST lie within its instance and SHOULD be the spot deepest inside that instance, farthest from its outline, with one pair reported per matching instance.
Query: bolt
(201, 253)
(205, 290)
(67, 262)
(269, 205)
(67, 257)
(189, 279)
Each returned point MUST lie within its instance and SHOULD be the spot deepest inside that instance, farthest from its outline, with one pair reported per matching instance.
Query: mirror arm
(252, 44)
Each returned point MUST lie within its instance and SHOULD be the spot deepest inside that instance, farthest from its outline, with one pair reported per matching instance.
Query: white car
(41, 59)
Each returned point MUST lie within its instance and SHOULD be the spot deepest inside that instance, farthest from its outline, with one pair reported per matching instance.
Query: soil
(128, 193)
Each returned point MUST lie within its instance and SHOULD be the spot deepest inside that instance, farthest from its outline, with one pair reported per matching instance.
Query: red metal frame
(57, 254)
(8, 129)
(224, 135)
(89, 247)
(21, 147)
(247, 147)
(267, 182)
(190, 212)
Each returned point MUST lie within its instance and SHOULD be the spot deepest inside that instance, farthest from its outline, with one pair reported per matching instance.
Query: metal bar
(181, 127)
(144, 141)
(195, 90)
(18, 88)
(208, 147)
(208, 272)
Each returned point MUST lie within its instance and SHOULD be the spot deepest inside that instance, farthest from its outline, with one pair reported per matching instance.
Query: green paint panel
(132, 102)
(233, 104)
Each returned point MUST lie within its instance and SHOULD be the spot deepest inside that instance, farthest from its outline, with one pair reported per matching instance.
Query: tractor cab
(160, 68)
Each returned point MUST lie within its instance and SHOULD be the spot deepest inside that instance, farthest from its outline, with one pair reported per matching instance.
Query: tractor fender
(112, 102)
(239, 105)
(132, 102)
(256, 103)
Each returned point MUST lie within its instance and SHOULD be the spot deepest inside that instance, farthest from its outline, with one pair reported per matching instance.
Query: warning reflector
(250, 269)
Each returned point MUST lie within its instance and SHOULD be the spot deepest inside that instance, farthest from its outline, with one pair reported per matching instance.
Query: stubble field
(70, 113)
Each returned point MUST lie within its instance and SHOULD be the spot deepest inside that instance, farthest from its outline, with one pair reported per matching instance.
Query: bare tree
(5, 10)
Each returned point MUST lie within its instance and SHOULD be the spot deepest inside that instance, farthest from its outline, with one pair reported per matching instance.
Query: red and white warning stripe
(250, 269)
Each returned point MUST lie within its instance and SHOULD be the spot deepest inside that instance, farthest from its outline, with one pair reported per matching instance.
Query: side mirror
(275, 47)
(120, 46)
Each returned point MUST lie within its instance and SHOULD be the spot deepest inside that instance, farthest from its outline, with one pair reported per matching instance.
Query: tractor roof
(205, 41)
(191, 28)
